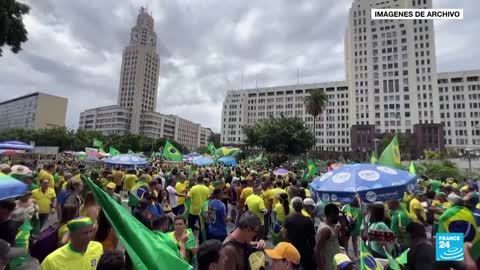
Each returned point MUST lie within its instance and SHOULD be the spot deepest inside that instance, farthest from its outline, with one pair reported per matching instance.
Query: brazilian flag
(459, 219)
(311, 170)
(97, 143)
(113, 152)
(136, 193)
(367, 262)
(391, 154)
(191, 242)
(226, 152)
(21, 241)
(171, 153)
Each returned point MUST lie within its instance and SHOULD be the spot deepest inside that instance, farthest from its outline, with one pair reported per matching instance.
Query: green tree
(215, 139)
(280, 135)
(12, 29)
(315, 104)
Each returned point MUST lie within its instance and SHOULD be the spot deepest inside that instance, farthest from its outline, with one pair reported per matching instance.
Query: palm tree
(315, 104)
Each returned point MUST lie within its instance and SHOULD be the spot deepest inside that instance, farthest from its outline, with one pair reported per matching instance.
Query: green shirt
(399, 223)
(435, 184)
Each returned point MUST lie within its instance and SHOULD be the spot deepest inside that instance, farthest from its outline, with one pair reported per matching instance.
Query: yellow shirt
(198, 194)
(180, 189)
(307, 193)
(66, 258)
(118, 178)
(437, 203)
(44, 199)
(211, 189)
(267, 196)
(148, 178)
(414, 205)
(246, 192)
(275, 192)
(46, 175)
(280, 212)
(256, 205)
(130, 181)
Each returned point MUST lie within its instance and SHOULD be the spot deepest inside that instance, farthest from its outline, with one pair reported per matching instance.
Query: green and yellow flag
(373, 158)
(391, 154)
(143, 246)
(101, 151)
(367, 261)
(226, 152)
(412, 168)
(399, 262)
(311, 170)
(211, 149)
(171, 153)
(113, 152)
(22, 240)
(97, 143)
(459, 219)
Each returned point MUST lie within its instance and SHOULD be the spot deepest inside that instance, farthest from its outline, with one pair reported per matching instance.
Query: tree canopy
(12, 29)
(67, 139)
(280, 135)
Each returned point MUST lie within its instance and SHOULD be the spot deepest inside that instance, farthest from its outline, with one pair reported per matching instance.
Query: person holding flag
(171, 153)
(310, 171)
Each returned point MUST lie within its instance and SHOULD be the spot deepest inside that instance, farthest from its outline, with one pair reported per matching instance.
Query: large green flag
(171, 153)
(211, 148)
(97, 143)
(459, 219)
(391, 154)
(113, 152)
(143, 246)
(311, 170)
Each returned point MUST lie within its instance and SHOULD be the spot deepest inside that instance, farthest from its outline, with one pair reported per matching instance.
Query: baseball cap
(308, 201)
(111, 185)
(284, 250)
(10, 252)
(342, 261)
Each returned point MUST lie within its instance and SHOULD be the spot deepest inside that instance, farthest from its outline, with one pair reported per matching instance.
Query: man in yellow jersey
(47, 173)
(45, 198)
(130, 180)
(246, 192)
(181, 188)
(277, 191)
(80, 253)
(198, 195)
(417, 212)
(118, 176)
(255, 204)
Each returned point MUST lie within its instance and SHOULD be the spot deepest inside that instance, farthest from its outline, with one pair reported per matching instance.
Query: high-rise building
(137, 96)
(33, 111)
(392, 85)
(391, 68)
(140, 70)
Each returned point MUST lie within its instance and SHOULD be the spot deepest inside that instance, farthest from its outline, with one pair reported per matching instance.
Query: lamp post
(375, 142)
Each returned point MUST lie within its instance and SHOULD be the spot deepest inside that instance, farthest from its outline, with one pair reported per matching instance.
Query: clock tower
(140, 70)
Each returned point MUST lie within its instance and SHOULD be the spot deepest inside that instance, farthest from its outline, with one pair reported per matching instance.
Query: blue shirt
(217, 214)
(62, 197)
(155, 210)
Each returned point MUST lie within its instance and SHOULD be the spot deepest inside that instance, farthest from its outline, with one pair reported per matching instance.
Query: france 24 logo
(449, 247)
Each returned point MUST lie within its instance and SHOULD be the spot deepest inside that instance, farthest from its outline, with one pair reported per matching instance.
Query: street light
(375, 141)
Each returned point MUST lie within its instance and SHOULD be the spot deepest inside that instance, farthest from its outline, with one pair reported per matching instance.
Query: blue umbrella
(230, 161)
(202, 161)
(126, 159)
(11, 187)
(374, 183)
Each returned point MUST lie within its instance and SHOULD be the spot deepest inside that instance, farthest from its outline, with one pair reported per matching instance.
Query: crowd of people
(220, 217)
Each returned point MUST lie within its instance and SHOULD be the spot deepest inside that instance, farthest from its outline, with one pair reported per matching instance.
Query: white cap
(308, 201)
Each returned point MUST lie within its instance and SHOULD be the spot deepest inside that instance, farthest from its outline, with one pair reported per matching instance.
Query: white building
(33, 111)
(391, 68)
(245, 107)
(137, 96)
(460, 108)
(392, 85)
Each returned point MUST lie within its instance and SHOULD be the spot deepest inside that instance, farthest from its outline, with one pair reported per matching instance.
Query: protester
(90, 207)
(280, 211)
(110, 189)
(105, 234)
(47, 173)
(184, 239)
(74, 194)
(45, 197)
(399, 223)
(130, 180)
(255, 204)
(81, 252)
(417, 211)
(284, 256)
(354, 217)
(211, 256)
(217, 217)
(7, 252)
(8, 227)
(239, 244)
(198, 195)
(173, 197)
(377, 223)
(69, 212)
(299, 230)
(111, 260)
(327, 244)
(421, 255)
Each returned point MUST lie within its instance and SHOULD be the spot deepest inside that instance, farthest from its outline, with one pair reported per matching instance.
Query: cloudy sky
(74, 49)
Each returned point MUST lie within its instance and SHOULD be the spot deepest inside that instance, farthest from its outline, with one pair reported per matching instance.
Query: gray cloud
(74, 49)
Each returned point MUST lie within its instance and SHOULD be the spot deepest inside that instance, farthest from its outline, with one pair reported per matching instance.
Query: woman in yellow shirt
(280, 211)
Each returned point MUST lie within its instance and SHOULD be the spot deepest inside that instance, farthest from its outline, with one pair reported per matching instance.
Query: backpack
(254, 259)
(47, 242)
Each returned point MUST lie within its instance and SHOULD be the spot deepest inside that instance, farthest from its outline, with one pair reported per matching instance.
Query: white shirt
(172, 196)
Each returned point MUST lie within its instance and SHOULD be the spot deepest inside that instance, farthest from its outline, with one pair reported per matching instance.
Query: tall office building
(137, 96)
(140, 70)
(391, 68)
